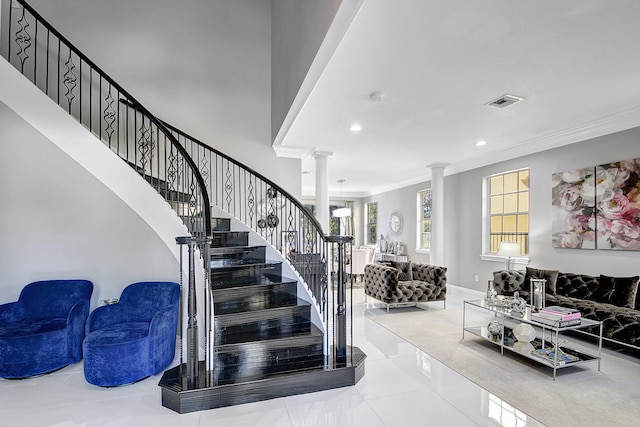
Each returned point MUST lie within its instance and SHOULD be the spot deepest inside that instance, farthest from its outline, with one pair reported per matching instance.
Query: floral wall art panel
(574, 209)
(618, 205)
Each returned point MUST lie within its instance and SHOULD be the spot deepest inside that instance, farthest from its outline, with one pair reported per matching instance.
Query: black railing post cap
(339, 239)
(191, 240)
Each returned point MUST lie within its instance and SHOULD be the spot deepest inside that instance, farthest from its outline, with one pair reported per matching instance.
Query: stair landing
(206, 395)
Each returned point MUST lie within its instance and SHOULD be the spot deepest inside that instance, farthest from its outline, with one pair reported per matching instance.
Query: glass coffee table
(549, 344)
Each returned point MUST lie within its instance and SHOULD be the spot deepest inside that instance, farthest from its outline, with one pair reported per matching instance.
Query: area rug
(580, 396)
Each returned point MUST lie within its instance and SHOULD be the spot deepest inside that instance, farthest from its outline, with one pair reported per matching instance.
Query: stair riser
(264, 330)
(278, 315)
(254, 298)
(248, 365)
(220, 224)
(226, 277)
(232, 238)
(239, 255)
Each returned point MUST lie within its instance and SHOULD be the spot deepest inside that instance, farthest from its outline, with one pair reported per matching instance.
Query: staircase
(265, 344)
(257, 312)
(272, 336)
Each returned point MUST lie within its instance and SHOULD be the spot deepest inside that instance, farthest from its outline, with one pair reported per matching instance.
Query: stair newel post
(192, 310)
(181, 309)
(340, 321)
(208, 308)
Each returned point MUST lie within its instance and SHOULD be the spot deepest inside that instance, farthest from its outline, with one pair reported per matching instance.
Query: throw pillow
(506, 282)
(404, 270)
(579, 286)
(621, 290)
(604, 290)
(551, 277)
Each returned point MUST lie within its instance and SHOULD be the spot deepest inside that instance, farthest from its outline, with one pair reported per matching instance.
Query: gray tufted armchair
(405, 283)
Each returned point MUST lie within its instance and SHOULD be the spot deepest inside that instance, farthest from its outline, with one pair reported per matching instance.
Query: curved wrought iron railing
(286, 224)
(80, 87)
(266, 208)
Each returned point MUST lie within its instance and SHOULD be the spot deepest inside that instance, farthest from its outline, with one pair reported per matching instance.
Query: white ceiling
(437, 62)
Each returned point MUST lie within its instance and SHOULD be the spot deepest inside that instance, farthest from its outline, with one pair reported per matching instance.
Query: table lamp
(509, 250)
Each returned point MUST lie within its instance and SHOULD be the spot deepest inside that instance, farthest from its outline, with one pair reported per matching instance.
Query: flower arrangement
(598, 207)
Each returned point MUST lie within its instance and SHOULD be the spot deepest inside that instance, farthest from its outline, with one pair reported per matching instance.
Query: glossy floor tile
(402, 386)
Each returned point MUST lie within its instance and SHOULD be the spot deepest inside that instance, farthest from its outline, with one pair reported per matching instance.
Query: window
(371, 233)
(424, 219)
(509, 209)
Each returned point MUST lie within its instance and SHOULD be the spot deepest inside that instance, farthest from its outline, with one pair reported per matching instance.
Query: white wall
(201, 65)
(465, 188)
(403, 200)
(58, 221)
(463, 214)
(298, 29)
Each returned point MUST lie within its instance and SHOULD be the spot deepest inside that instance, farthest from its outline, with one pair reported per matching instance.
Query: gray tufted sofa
(614, 301)
(405, 283)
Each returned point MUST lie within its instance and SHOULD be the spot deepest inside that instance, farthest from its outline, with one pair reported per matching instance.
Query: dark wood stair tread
(222, 283)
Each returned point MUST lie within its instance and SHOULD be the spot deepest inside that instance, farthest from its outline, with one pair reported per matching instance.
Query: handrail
(268, 209)
(187, 198)
(272, 184)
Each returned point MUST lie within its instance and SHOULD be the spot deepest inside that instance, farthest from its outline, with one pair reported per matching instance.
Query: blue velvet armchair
(134, 338)
(44, 329)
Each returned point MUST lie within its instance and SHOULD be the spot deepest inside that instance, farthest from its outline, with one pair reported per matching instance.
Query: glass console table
(384, 256)
(495, 323)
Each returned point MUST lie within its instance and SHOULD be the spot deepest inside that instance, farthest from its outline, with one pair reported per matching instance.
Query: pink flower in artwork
(569, 197)
(616, 207)
(625, 233)
(567, 240)
(579, 223)
(598, 207)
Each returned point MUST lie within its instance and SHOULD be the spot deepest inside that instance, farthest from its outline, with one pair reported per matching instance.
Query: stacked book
(557, 316)
(549, 355)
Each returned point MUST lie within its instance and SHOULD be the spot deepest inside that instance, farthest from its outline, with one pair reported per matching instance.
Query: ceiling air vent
(504, 101)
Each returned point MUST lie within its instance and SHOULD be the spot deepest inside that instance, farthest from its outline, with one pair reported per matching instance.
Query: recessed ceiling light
(481, 143)
(355, 128)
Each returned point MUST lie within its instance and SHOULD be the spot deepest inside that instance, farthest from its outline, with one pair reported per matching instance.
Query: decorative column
(322, 188)
(437, 213)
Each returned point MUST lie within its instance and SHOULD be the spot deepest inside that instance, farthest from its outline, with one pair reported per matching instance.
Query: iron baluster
(70, 81)
(109, 115)
(23, 40)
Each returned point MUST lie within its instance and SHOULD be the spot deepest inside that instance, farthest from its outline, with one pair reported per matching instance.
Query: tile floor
(402, 386)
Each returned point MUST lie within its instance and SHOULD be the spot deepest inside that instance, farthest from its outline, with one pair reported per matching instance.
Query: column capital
(322, 154)
(437, 165)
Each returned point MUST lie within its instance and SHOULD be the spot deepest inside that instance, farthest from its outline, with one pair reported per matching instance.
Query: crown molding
(605, 125)
(291, 152)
